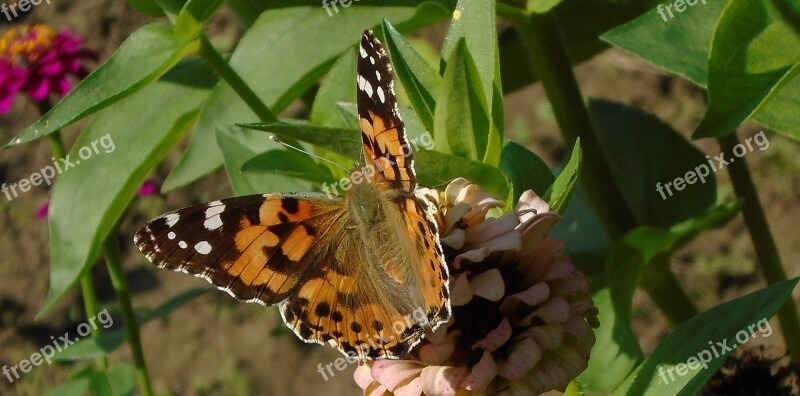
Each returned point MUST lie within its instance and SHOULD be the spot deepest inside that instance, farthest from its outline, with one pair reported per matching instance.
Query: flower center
(26, 45)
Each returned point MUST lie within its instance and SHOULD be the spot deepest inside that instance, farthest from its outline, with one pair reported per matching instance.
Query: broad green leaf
(654, 181)
(127, 141)
(616, 349)
(560, 192)
(462, 114)
(681, 45)
(339, 86)
(286, 29)
(236, 153)
(474, 22)
(419, 79)
(669, 371)
(247, 10)
(344, 141)
(525, 171)
(145, 56)
(290, 164)
(433, 168)
(754, 54)
(584, 233)
(193, 16)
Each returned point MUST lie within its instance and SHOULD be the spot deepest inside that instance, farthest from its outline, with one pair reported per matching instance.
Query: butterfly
(364, 271)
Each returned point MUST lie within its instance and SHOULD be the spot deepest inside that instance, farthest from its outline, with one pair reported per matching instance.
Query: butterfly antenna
(276, 140)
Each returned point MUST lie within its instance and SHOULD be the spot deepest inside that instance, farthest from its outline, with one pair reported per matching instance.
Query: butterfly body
(363, 271)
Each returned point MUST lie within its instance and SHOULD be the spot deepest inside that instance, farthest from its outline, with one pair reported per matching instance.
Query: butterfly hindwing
(257, 248)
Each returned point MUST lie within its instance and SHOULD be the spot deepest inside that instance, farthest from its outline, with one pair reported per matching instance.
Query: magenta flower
(149, 187)
(43, 210)
(37, 60)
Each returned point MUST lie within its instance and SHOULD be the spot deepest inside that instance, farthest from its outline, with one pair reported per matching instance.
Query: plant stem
(87, 284)
(763, 241)
(221, 66)
(547, 54)
(115, 270)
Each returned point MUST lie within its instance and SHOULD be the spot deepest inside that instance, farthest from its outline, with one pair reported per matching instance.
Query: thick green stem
(115, 270)
(764, 243)
(547, 54)
(218, 63)
(90, 304)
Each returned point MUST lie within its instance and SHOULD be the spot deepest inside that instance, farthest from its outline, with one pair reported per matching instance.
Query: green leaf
(147, 7)
(525, 171)
(616, 349)
(236, 152)
(92, 347)
(560, 192)
(339, 86)
(146, 55)
(754, 54)
(193, 16)
(433, 168)
(744, 318)
(681, 45)
(790, 11)
(290, 164)
(584, 233)
(173, 303)
(462, 113)
(419, 79)
(634, 142)
(118, 380)
(127, 141)
(542, 6)
(286, 29)
(474, 22)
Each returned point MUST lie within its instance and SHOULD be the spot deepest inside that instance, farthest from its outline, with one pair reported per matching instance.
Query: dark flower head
(37, 60)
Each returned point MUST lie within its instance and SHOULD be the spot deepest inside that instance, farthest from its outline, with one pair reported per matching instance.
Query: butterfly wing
(382, 130)
(258, 248)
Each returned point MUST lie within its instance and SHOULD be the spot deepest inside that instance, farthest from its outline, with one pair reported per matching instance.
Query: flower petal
(433, 354)
(481, 375)
(460, 291)
(523, 357)
(495, 338)
(442, 380)
(393, 373)
(363, 375)
(488, 284)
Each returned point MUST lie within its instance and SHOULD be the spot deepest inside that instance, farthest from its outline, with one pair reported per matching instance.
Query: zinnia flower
(37, 60)
(522, 314)
(43, 211)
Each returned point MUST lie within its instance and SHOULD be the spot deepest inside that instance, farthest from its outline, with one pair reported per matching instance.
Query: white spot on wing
(380, 95)
(363, 52)
(171, 235)
(378, 74)
(182, 244)
(172, 219)
(203, 247)
(213, 219)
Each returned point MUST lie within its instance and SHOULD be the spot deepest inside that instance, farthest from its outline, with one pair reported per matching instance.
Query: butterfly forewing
(382, 130)
(257, 248)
